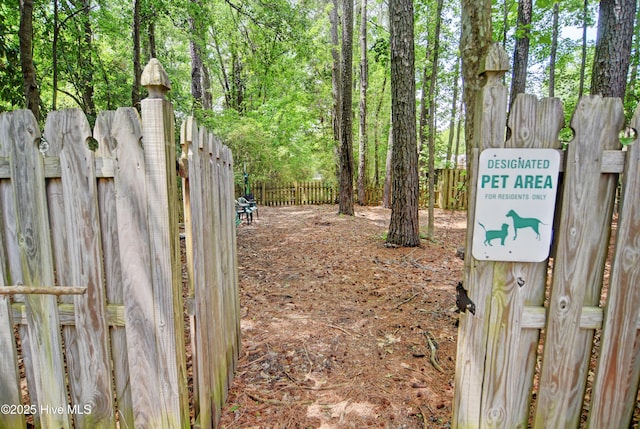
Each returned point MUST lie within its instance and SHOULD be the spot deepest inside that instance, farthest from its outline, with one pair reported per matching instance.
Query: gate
(92, 311)
(527, 357)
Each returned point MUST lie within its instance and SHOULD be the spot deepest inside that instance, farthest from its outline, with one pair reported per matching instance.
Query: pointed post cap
(496, 61)
(155, 79)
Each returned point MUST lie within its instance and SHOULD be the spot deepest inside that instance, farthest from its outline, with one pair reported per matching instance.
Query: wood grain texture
(135, 262)
(583, 236)
(10, 393)
(616, 382)
(234, 250)
(67, 314)
(192, 145)
(9, 375)
(88, 361)
(112, 267)
(213, 271)
(32, 227)
(160, 175)
(490, 131)
(210, 219)
(511, 351)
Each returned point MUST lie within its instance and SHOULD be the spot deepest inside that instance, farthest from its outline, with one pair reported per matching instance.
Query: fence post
(158, 125)
(22, 134)
(472, 333)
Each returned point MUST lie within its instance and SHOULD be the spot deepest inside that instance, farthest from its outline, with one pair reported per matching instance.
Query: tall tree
(86, 61)
(404, 225)
(346, 129)
(521, 52)
(137, 66)
(583, 62)
(454, 114)
(29, 80)
(475, 40)
(386, 191)
(631, 98)
(336, 86)
(364, 83)
(199, 76)
(613, 47)
(432, 119)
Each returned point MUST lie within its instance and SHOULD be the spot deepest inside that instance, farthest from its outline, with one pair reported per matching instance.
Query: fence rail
(507, 374)
(91, 295)
(451, 192)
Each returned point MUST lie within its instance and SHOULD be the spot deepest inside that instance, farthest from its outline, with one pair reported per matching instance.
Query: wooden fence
(91, 294)
(584, 370)
(451, 192)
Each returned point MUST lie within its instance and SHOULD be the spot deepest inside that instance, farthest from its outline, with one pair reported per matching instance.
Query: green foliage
(11, 95)
(269, 65)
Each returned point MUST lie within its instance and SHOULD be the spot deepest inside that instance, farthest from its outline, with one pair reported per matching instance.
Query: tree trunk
(137, 67)
(364, 83)
(336, 86)
(86, 65)
(376, 142)
(613, 47)
(521, 52)
(454, 114)
(346, 130)
(237, 82)
(554, 50)
(506, 5)
(195, 50)
(457, 146)
(223, 76)
(583, 60)
(151, 38)
(404, 226)
(475, 39)
(30, 84)
(386, 192)
(631, 100)
(424, 91)
(432, 120)
(54, 55)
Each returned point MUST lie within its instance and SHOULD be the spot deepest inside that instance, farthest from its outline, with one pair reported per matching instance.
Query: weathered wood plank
(192, 145)
(135, 261)
(478, 275)
(535, 317)
(13, 267)
(226, 262)
(212, 236)
(582, 236)
(58, 290)
(105, 155)
(10, 393)
(52, 169)
(67, 314)
(234, 255)
(160, 159)
(616, 382)
(88, 361)
(230, 254)
(37, 264)
(511, 351)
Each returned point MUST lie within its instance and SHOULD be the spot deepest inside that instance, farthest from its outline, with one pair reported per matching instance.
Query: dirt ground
(339, 331)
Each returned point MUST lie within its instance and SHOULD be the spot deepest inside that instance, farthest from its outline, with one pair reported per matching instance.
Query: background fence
(91, 294)
(584, 370)
(451, 192)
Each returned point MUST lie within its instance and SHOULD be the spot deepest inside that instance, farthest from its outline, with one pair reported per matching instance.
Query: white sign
(515, 204)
